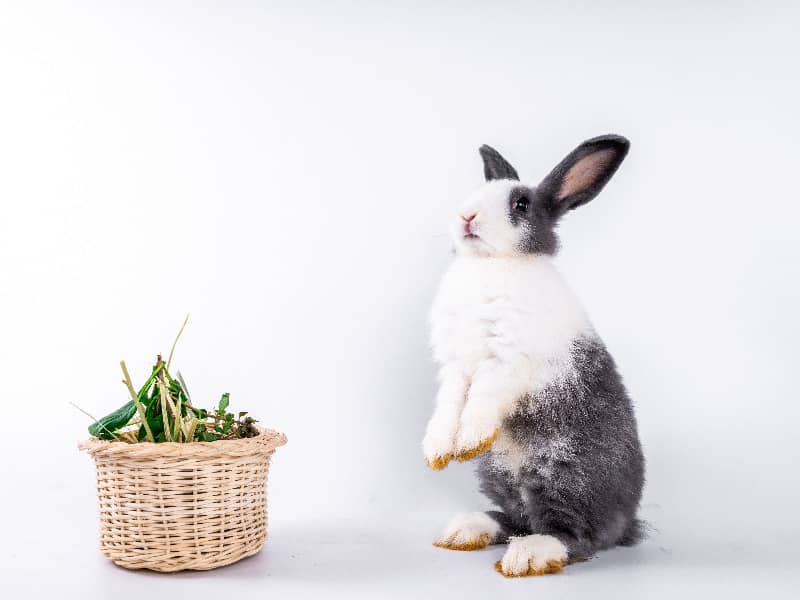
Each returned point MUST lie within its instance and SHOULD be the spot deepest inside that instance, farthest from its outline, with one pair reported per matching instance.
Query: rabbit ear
(583, 173)
(495, 166)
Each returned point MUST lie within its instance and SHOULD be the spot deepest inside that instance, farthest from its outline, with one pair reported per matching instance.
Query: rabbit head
(506, 218)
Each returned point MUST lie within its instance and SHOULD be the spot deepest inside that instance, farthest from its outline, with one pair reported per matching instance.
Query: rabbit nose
(469, 217)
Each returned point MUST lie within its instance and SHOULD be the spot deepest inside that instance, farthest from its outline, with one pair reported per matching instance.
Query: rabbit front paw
(476, 434)
(438, 444)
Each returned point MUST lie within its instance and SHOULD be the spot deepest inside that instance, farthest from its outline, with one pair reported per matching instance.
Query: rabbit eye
(522, 204)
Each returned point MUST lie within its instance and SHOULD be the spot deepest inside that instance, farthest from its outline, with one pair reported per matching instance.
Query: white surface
(292, 167)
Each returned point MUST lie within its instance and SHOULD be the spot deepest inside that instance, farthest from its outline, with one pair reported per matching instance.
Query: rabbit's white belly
(513, 312)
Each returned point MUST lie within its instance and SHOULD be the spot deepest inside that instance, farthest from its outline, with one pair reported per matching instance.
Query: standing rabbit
(526, 383)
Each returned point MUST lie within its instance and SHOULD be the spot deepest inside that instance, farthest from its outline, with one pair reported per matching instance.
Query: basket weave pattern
(169, 507)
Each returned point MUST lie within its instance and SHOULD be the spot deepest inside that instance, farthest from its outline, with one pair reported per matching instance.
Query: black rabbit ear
(584, 172)
(495, 166)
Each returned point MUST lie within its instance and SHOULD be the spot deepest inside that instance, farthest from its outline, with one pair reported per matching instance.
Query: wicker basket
(169, 507)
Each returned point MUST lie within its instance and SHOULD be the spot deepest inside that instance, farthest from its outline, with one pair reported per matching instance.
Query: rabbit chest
(514, 311)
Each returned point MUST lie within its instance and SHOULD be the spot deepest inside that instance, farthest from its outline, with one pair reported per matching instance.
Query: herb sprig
(161, 411)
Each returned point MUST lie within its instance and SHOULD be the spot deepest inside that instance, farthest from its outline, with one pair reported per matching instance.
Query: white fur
(497, 236)
(531, 553)
(468, 528)
(502, 327)
(440, 435)
(508, 454)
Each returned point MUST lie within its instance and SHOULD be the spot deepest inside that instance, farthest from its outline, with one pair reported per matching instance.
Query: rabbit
(525, 383)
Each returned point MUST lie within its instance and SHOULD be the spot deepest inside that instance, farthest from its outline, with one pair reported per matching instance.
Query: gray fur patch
(582, 469)
(537, 220)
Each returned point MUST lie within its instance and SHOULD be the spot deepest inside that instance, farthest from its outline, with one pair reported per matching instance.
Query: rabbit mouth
(476, 243)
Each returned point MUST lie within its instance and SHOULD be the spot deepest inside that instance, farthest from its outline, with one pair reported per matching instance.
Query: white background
(285, 172)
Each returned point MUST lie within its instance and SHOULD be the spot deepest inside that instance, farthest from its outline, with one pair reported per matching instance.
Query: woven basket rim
(266, 441)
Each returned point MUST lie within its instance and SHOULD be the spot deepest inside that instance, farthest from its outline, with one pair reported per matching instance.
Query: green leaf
(153, 410)
(156, 425)
(224, 401)
(175, 388)
(147, 384)
(105, 427)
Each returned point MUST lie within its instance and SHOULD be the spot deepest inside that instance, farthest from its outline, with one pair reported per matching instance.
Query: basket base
(175, 564)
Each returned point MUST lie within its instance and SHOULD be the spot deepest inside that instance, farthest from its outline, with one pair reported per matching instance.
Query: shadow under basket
(169, 507)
